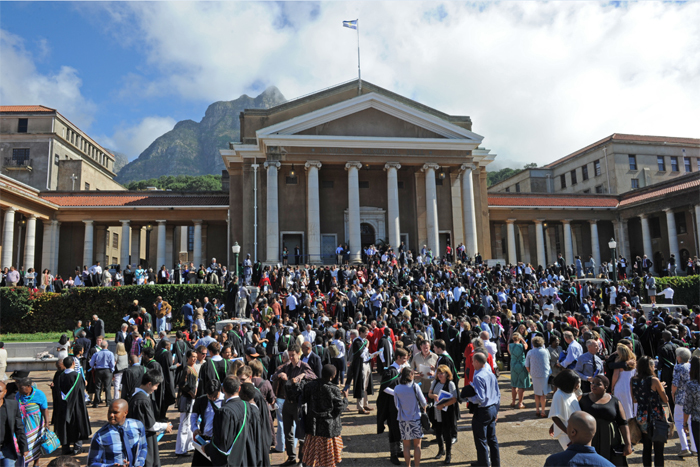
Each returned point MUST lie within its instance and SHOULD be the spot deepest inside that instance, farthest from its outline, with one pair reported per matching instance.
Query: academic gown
(356, 370)
(71, 419)
(256, 447)
(236, 343)
(229, 420)
(446, 359)
(206, 372)
(131, 379)
(266, 434)
(386, 348)
(386, 407)
(180, 348)
(159, 394)
(55, 394)
(141, 409)
(165, 360)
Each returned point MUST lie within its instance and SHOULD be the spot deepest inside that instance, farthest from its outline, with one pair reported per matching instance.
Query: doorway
(367, 235)
(292, 240)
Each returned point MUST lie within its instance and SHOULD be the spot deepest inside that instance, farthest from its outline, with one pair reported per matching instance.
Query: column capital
(255, 166)
(127, 222)
(32, 216)
(158, 222)
(510, 221)
(593, 221)
(88, 221)
(353, 165)
(539, 221)
(429, 166)
(465, 167)
(314, 164)
(9, 209)
(392, 165)
(197, 222)
(566, 221)
(274, 164)
(643, 216)
(54, 221)
(667, 210)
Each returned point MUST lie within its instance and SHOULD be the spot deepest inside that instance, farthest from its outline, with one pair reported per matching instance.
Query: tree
(179, 183)
(499, 175)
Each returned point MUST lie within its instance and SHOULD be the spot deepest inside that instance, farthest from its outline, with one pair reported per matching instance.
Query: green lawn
(40, 337)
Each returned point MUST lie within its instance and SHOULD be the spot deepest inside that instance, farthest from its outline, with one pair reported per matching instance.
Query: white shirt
(292, 302)
(309, 336)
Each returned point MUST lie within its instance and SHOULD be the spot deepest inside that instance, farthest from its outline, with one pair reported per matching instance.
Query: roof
(664, 190)
(526, 200)
(134, 199)
(626, 137)
(25, 108)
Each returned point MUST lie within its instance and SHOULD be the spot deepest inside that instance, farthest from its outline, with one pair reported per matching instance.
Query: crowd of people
(429, 338)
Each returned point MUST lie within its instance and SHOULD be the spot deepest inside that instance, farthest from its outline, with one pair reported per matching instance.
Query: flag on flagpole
(350, 24)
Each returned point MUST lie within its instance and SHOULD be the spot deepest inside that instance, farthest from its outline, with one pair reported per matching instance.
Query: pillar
(135, 246)
(539, 236)
(273, 236)
(673, 238)
(510, 227)
(469, 211)
(431, 208)
(160, 253)
(184, 233)
(126, 237)
(46, 247)
(392, 186)
(30, 243)
(355, 238)
(313, 212)
(595, 244)
(646, 236)
(197, 246)
(169, 236)
(8, 237)
(55, 240)
(568, 242)
(88, 243)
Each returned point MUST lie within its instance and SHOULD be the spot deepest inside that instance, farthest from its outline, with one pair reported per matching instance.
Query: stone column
(8, 238)
(56, 242)
(160, 250)
(539, 235)
(469, 211)
(431, 208)
(169, 236)
(89, 243)
(184, 232)
(135, 246)
(126, 240)
(30, 243)
(355, 237)
(568, 242)
(673, 238)
(595, 244)
(313, 212)
(100, 244)
(512, 253)
(46, 247)
(273, 236)
(197, 246)
(392, 186)
(646, 236)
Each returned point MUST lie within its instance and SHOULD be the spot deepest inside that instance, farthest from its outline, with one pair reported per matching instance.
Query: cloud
(22, 83)
(540, 80)
(133, 140)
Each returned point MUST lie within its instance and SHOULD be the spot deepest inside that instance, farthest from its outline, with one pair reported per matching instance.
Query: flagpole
(359, 72)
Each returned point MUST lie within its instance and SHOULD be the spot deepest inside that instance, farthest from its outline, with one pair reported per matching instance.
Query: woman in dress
(63, 347)
(691, 404)
(621, 383)
(611, 422)
(538, 366)
(187, 387)
(33, 406)
(650, 397)
(555, 351)
(323, 445)
(681, 376)
(410, 403)
(445, 421)
(121, 364)
(564, 403)
(519, 377)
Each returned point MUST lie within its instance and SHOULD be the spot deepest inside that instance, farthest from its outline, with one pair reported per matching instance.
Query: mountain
(120, 160)
(192, 148)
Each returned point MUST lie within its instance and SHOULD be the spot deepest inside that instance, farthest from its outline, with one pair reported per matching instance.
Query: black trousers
(103, 380)
(646, 452)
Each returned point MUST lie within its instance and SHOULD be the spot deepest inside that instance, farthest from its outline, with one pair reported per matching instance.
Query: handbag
(424, 420)
(635, 431)
(660, 431)
(49, 442)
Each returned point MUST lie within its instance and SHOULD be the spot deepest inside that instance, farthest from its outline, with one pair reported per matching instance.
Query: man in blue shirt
(120, 440)
(102, 363)
(487, 396)
(188, 313)
(589, 365)
(580, 429)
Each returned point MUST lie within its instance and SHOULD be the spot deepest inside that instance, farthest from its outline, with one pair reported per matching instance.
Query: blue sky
(539, 80)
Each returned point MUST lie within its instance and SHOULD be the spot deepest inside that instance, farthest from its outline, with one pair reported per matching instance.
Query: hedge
(687, 288)
(22, 311)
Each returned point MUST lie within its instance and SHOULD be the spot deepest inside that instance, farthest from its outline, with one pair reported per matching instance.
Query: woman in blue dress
(519, 377)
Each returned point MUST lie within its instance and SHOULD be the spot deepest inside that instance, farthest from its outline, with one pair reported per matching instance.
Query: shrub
(24, 312)
(687, 288)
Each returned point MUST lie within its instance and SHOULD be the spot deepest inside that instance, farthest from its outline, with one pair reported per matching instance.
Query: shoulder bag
(424, 420)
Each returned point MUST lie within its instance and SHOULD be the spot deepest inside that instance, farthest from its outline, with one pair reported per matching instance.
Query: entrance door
(367, 235)
(445, 239)
(291, 241)
(328, 246)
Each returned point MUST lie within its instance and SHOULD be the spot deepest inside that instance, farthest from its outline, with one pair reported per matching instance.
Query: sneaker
(685, 453)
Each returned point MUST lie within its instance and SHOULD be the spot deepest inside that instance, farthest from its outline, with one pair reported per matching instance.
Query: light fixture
(292, 173)
(149, 227)
(441, 175)
(612, 244)
(236, 248)
(367, 166)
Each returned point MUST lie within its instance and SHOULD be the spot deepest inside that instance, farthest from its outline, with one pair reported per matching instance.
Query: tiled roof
(663, 191)
(25, 108)
(552, 201)
(132, 199)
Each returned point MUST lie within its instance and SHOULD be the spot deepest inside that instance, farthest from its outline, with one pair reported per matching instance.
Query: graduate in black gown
(245, 374)
(207, 371)
(359, 353)
(180, 348)
(385, 359)
(258, 442)
(71, 420)
(55, 390)
(169, 396)
(141, 409)
(131, 377)
(148, 357)
(386, 407)
(229, 444)
(236, 340)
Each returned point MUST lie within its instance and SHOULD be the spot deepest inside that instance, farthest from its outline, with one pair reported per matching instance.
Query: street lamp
(236, 249)
(613, 246)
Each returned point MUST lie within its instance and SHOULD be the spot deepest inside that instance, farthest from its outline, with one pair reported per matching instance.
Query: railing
(18, 163)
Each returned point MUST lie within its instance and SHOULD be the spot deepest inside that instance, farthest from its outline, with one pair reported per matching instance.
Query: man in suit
(122, 335)
(12, 425)
(310, 358)
(646, 264)
(98, 328)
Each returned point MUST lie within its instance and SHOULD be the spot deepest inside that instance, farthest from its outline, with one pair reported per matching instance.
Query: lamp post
(613, 251)
(236, 249)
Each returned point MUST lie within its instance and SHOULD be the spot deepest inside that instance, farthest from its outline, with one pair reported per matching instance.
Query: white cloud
(22, 83)
(539, 80)
(133, 140)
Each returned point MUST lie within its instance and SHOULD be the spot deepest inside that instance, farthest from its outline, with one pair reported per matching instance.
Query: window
(114, 260)
(563, 180)
(596, 164)
(22, 125)
(400, 185)
(573, 177)
(326, 183)
(364, 184)
(674, 164)
(599, 189)
(190, 238)
(517, 187)
(56, 158)
(584, 172)
(661, 163)
(587, 190)
(635, 183)
(87, 186)
(688, 165)
(633, 161)
(507, 189)
(20, 156)
(681, 226)
(292, 180)
(115, 240)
